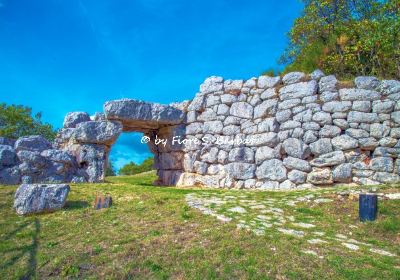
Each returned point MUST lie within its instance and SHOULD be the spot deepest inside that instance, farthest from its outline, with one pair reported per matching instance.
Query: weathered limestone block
(265, 153)
(327, 83)
(317, 74)
(386, 178)
(296, 163)
(388, 87)
(32, 143)
(40, 198)
(388, 142)
(311, 126)
(344, 142)
(8, 156)
(328, 96)
(269, 139)
(365, 82)
(198, 103)
(266, 109)
(242, 154)
(297, 177)
(378, 130)
(103, 132)
(240, 170)
(321, 146)
(58, 156)
(231, 130)
(320, 176)
(293, 77)
(268, 94)
(268, 82)
(298, 90)
(385, 106)
(310, 137)
(213, 127)
(233, 86)
(287, 185)
(268, 125)
(341, 123)
(330, 159)
(396, 117)
(329, 131)
(304, 116)
(342, 173)
(357, 133)
(322, 118)
(223, 110)
(290, 125)
(270, 185)
(360, 117)
(337, 106)
(73, 118)
(242, 110)
(92, 159)
(368, 143)
(296, 148)
(382, 164)
(250, 83)
(272, 169)
(352, 94)
(138, 115)
(362, 106)
(212, 100)
(212, 84)
(200, 167)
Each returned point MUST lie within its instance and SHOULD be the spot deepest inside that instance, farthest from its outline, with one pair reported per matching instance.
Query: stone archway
(156, 122)
(90, 141)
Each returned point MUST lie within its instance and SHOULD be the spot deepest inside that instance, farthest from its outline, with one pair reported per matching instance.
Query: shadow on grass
(76, 204)
(30, 249)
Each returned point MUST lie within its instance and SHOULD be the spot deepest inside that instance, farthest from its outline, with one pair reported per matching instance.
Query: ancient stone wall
(301, 130)
(284, 132)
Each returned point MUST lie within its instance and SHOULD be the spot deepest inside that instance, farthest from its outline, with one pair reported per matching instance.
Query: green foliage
(271, 72)
(17, 121)
(110, 170)
(133, 168)
(347, 38)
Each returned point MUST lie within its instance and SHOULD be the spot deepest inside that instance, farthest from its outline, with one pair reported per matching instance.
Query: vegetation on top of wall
(133, 168)
(346, 38)
(18, 120)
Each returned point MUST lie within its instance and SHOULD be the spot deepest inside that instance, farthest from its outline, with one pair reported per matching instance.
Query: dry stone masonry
(295, 131)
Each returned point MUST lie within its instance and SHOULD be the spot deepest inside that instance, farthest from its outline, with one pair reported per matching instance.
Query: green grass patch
(151, 233)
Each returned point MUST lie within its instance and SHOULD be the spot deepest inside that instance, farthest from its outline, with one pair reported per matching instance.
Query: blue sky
(58, 56)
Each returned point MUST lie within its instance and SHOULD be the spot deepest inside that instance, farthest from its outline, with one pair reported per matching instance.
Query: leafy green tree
(17, 121)
(110, 170)
(133, 168)
(346, 37)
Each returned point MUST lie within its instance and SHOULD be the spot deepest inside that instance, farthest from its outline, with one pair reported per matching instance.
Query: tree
(110, 170)
(346, 37)
(133, 168)
(17, 121)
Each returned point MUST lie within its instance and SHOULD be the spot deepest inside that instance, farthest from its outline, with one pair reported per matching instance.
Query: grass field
(152, 233)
